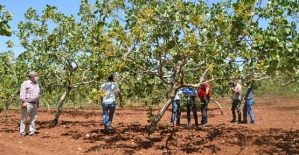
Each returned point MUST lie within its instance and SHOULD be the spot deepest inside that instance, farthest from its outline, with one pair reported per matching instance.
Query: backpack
(205, 86)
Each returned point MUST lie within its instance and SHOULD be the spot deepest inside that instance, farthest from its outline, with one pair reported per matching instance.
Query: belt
(32, 102)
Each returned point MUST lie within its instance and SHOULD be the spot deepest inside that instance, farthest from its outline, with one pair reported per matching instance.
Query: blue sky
(19, 7)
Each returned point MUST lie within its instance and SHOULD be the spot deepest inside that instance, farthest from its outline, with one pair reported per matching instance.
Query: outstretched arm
(120, 99)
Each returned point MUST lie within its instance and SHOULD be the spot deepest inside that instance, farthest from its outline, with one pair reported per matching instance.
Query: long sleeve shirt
(29, 92)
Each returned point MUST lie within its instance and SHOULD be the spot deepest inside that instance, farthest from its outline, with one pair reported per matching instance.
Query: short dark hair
(110, 77)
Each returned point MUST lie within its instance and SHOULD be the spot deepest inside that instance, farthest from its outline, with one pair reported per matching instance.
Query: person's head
(111, 78)
(236, 81)
(33, 76)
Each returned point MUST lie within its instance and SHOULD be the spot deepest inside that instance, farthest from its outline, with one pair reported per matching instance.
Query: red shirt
(201, 91)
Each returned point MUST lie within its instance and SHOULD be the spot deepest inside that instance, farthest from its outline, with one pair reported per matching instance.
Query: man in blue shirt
(190, 95)
(249, 100)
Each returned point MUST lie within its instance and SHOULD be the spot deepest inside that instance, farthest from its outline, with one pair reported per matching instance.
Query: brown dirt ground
(81, 132)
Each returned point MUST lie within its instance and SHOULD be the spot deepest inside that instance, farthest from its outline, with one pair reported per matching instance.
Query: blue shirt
(249, 93)
(190, 92)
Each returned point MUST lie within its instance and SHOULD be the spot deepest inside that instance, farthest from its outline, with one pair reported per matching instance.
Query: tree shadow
(128, 134)
(288, 108)
(284, 142)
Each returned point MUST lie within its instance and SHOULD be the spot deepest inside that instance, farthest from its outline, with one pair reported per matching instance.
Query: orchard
(155, 48)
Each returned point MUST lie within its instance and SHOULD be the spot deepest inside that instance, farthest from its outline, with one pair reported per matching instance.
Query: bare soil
(81, 132)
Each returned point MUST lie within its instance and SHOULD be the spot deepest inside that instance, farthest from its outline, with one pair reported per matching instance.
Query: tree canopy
(5, 17)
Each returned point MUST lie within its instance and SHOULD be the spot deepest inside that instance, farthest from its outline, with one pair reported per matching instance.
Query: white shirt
(238, 87)
(177, 95)
(111, 89)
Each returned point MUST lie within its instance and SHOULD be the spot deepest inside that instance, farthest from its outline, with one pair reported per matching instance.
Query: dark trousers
(191, 104)
(236, 106)
(204, 110)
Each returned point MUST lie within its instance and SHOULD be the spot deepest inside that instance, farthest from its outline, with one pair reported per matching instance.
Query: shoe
(106, 129)
(233, 121)
(178, 124)
(22, 135)
(243, 122)
(172, 125)
(189, 124)
(252, 122)
(202, 125)
(33, 134)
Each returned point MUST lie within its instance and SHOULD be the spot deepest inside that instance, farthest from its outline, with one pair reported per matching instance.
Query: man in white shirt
(176, 112)
(236, 89)
(109, 102)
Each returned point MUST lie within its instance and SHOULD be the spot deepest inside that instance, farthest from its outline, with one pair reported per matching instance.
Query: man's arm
(237, 90)
(23, 95)
(120, 99)
(207, 91)
(244, 84)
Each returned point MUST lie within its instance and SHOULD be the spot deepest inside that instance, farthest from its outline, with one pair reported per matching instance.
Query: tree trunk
(75, 107)
(5, 109)
(157, 118)
(59, 109)
(48, 105)
(217, 105)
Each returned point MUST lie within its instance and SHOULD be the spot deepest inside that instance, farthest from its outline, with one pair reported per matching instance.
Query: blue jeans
(191, 103)
(248, 109)
(204, 110)
(176, 112)
(111, 108)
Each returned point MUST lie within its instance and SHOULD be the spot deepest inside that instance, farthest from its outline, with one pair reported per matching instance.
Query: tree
(5, 17)
(177, 43)
(9, 81)
(69, 55)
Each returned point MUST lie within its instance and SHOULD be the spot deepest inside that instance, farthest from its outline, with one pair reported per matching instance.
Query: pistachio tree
(9, 81)
(67, 51)
(177, 42)
(5, 17)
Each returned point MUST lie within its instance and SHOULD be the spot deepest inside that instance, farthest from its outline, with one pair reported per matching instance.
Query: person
(236, 89)
(204, 94)
(190, 94)
(176, 112)
(111, 89)
(249, 100)
(29, 96)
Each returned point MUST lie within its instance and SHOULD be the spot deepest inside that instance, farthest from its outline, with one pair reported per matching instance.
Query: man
(236, 89)
(108, 101)
(176, 112)
(204, 94)
(190, 94)
(29, 96)
(249, 99)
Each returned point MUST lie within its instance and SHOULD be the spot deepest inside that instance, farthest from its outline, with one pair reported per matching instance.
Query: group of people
(204, 94)
(237, 99)
(30, 96)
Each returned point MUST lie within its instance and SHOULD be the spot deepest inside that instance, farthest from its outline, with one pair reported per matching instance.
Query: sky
(19, 7)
